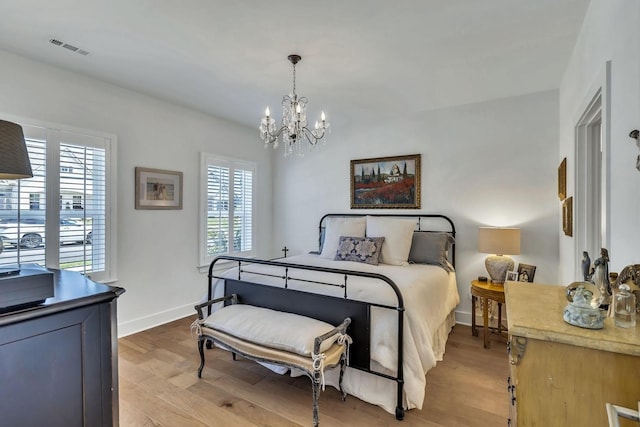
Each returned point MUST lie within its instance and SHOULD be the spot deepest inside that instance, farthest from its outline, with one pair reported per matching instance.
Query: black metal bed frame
(329, 309)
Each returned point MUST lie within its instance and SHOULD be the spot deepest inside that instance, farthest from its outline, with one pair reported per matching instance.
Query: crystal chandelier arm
(313, 136)
(270, 135)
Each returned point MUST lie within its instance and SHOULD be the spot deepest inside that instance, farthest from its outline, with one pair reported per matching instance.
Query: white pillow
(397, 234)
(336, 227)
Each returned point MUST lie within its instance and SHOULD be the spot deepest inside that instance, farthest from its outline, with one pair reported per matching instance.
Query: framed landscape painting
(386, 182)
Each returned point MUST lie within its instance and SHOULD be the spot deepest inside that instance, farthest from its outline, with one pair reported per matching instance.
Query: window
(227, 207)
(77, 202)
(34, 201)
(61, 217)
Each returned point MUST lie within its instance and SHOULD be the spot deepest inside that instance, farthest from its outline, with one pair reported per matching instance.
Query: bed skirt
(381, 391)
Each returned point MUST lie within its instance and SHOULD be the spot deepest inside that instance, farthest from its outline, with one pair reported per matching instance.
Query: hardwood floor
(159, 386)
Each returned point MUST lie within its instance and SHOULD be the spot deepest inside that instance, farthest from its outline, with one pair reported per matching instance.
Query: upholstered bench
(275, 337)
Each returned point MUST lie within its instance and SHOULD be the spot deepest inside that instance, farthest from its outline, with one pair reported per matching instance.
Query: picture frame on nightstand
(526, 272)
(511, 276)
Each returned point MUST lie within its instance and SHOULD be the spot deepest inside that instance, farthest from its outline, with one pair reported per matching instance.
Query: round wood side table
(487, 291)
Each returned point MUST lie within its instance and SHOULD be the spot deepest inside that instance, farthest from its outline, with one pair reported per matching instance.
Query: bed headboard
(425, 223)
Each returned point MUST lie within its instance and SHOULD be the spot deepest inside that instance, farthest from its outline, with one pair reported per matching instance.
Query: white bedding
(430, 296)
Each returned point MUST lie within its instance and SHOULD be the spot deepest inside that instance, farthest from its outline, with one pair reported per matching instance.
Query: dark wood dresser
(58, 360)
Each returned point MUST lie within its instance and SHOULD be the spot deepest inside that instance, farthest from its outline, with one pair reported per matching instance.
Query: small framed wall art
(386, 182)
(567, 216)
(562, 179)
(158, 189)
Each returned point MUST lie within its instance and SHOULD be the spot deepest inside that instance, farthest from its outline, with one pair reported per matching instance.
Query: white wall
(157, 250)
(492, 163)
(610, 32)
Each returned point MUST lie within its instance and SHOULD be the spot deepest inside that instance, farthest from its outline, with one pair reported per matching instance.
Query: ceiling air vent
(68, 46)
(72, 48)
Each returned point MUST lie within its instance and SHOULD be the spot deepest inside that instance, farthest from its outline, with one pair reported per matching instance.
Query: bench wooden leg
(201, 341)
(316, 395)
(343, 364)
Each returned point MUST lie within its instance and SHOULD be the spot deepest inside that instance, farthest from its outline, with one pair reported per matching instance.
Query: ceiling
(361, 59)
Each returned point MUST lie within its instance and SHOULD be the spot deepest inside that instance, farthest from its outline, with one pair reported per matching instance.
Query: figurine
(583, 309)
(586, 266)
(601, 277)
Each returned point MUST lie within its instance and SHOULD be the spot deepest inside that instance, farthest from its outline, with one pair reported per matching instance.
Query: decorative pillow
(359, 249)
(336, 227)
(397, 233)
(431, 248)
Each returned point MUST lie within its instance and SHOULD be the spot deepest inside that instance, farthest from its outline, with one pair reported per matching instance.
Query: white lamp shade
(14, 159)
(499, 241)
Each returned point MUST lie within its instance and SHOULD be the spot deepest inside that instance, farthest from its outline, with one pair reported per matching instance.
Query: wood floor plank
(248, 411)
(156, 410)
(131, 416)
(159, 387)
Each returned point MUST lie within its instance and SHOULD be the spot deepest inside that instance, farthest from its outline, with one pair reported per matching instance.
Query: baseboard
(463, 318)
(157, 319)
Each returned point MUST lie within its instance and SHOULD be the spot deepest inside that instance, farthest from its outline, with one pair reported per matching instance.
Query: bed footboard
(329, 309)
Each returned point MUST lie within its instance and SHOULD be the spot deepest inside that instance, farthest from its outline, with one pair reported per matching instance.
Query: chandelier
(294, 122)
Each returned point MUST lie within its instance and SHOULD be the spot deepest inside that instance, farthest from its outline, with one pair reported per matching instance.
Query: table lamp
(14, 162)
(499, 242)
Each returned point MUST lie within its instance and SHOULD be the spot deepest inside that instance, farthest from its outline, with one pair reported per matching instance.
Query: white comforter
(430, 295)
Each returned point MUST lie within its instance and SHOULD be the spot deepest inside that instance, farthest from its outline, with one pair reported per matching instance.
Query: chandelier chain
(294, 79)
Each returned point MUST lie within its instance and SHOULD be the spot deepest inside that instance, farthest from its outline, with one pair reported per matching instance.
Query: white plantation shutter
(242, 210)
(218, 210)
(82, 207)
(23, 209)
(227, 207)
(61, 217)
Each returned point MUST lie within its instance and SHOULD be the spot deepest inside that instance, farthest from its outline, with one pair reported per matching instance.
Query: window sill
(220, 266)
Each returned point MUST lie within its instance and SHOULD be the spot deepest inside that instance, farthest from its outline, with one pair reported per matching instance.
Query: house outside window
(71, 169)
(77, 202)
(227, 207)
(34, 201)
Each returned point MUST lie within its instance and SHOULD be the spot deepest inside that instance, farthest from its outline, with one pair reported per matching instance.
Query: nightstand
(487, 291)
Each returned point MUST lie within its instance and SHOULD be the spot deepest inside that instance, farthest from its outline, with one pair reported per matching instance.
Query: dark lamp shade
(14, 159)
(499, 241)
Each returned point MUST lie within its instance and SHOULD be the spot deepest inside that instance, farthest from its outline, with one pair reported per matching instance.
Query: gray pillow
(359, 249)
(431, 248)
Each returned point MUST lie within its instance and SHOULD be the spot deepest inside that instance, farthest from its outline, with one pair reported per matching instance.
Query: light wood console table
(562, 375)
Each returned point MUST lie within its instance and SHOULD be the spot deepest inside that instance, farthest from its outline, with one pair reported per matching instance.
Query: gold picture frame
(562, 180)
(567, 216)
(386, 183)
(158, 189)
